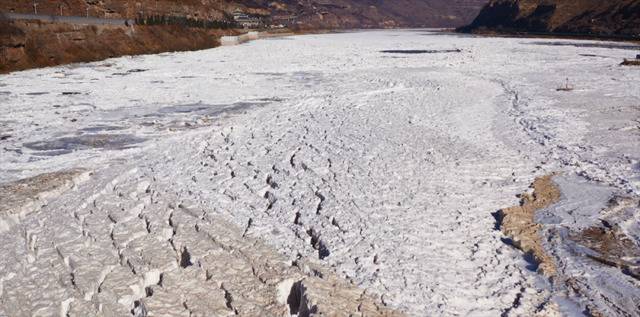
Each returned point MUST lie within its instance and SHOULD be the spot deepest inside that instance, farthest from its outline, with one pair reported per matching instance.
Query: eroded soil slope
(29, 44)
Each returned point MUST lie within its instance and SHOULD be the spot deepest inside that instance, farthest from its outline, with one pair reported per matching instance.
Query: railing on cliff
(67, 19)
(140, 20)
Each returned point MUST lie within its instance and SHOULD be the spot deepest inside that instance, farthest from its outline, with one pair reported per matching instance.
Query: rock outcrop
(616, 18)
(518, 222)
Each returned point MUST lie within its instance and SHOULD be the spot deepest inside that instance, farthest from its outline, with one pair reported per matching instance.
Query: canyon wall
(306, 14)
(615, 18)
(29, 44)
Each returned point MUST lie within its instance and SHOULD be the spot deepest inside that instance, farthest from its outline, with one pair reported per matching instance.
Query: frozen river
(213, 182)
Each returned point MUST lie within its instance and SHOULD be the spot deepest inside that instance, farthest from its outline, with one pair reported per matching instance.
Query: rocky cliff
(616, 18)
(28, 44)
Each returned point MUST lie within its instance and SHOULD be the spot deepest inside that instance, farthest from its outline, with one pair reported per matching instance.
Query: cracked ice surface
(382, 168)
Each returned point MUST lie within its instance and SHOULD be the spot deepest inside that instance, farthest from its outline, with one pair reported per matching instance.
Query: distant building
(282, 20)
(245, 20)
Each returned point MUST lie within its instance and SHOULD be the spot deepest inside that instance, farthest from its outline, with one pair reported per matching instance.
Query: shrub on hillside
(184, 21)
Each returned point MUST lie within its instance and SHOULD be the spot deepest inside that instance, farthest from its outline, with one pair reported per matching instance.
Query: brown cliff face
(25, 45)
(617, 18)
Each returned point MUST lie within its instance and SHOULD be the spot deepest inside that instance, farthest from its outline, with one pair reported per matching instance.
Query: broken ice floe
(84, 142)
(420, 51)
(592, 234)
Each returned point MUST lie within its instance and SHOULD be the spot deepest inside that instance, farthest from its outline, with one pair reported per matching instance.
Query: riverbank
(28, 44)
(548, 35)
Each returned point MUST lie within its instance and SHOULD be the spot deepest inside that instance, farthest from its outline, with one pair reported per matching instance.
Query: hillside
(584, 17)
(381, 13)
(303, 14)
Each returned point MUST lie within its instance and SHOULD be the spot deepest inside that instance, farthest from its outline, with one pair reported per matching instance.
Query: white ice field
(381, 167)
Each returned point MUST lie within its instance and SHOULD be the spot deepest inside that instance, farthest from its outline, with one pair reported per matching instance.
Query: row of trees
(184, 21)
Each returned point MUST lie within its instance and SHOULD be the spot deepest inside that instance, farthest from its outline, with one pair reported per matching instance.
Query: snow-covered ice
(170, 184)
